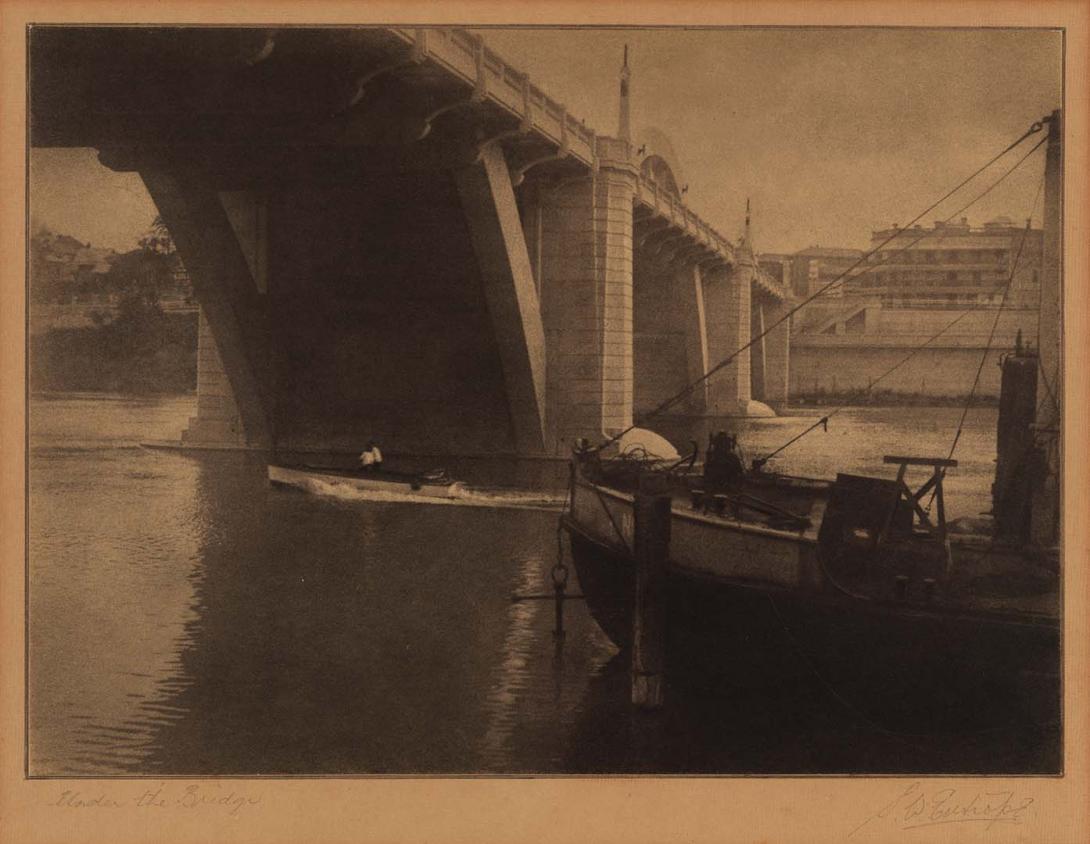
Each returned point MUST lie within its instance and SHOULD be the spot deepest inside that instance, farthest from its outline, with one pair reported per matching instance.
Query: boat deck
(910, 567)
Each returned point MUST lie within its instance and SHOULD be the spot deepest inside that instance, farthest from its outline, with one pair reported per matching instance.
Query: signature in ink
(917, 807)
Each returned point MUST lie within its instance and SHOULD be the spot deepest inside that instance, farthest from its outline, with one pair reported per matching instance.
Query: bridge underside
(381, 322)
(383, 249)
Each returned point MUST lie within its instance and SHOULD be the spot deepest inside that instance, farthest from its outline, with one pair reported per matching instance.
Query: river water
(185, 618)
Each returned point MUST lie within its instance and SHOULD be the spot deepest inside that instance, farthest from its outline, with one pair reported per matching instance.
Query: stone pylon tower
(624, 122)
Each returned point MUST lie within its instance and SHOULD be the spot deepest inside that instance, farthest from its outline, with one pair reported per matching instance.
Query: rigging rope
(670, 402)
(988, 345)
(1051, 396)
(863, 391)
(823, 421)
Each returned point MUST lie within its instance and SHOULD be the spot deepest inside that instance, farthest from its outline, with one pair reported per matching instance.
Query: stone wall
(944, 367)
(938, 373)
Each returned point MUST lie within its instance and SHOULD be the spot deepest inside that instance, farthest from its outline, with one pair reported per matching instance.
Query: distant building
(809, 270)
(902, 297)
(65, 270)
(952, 265)
(75, 285)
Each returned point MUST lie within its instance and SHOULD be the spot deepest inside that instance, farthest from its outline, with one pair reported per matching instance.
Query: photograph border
(543, 807)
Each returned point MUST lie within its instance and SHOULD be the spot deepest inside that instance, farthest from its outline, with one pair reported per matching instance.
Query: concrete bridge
(393, 234)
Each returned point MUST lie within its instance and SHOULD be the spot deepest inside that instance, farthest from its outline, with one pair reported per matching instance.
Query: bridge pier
(585, 278)
(615, 184)
(218, 423)
(569, 297)
(727, 300)
(507, 277)
(235, 353)
(777, 354)
(669, 340)
(689, 283)
(757, 350)
(727, 309)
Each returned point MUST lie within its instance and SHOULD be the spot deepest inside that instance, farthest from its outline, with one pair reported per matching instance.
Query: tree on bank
(142, 349)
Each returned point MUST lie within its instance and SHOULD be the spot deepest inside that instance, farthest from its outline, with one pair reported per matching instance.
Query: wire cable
(991, 338)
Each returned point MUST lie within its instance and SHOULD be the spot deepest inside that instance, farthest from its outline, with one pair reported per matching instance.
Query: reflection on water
(185, 618)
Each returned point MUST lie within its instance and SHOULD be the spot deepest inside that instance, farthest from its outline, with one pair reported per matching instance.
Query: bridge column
(614, 191)
(727, 315)
(569, 311)
(777, 351)
(585, 278)
(689, 286)
(220, 240)
(218, 421)
(757, 350)
(507, 276)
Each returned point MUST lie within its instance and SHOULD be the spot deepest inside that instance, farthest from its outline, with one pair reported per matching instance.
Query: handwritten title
(190, 797)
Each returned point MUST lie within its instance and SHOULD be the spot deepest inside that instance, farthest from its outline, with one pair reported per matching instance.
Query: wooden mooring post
(652, 550)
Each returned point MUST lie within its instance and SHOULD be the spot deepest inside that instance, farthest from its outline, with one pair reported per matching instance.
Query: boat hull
(898, 666)
(310, 480)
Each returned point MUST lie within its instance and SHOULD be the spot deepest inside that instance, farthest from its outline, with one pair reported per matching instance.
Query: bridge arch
(656, 170)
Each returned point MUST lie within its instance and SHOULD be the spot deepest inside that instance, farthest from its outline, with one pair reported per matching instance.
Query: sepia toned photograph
(552, 401)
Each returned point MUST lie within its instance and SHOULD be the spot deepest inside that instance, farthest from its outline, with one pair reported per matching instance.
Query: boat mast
(1045, 518)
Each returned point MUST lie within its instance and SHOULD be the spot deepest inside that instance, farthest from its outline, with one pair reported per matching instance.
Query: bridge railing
(664, 204)
(465, 55)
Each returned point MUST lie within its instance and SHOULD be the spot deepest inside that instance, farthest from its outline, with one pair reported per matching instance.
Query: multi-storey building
(952, 265)
(918, 313)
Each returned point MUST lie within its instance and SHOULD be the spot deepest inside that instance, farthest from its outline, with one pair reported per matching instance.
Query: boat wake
(463, 496)
(78, 447)
(499, 497)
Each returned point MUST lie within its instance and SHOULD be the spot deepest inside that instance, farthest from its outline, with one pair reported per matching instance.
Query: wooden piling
(652, 550)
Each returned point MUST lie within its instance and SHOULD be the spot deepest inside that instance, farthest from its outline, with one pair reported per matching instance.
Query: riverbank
(887, 398)
(143, 353)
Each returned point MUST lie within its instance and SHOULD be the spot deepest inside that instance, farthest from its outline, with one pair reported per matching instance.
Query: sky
(831, 133)
(72, 193)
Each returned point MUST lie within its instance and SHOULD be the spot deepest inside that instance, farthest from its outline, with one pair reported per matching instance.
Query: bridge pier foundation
(218, 422)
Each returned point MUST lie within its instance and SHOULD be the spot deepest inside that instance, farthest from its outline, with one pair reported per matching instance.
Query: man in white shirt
(371, 457)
